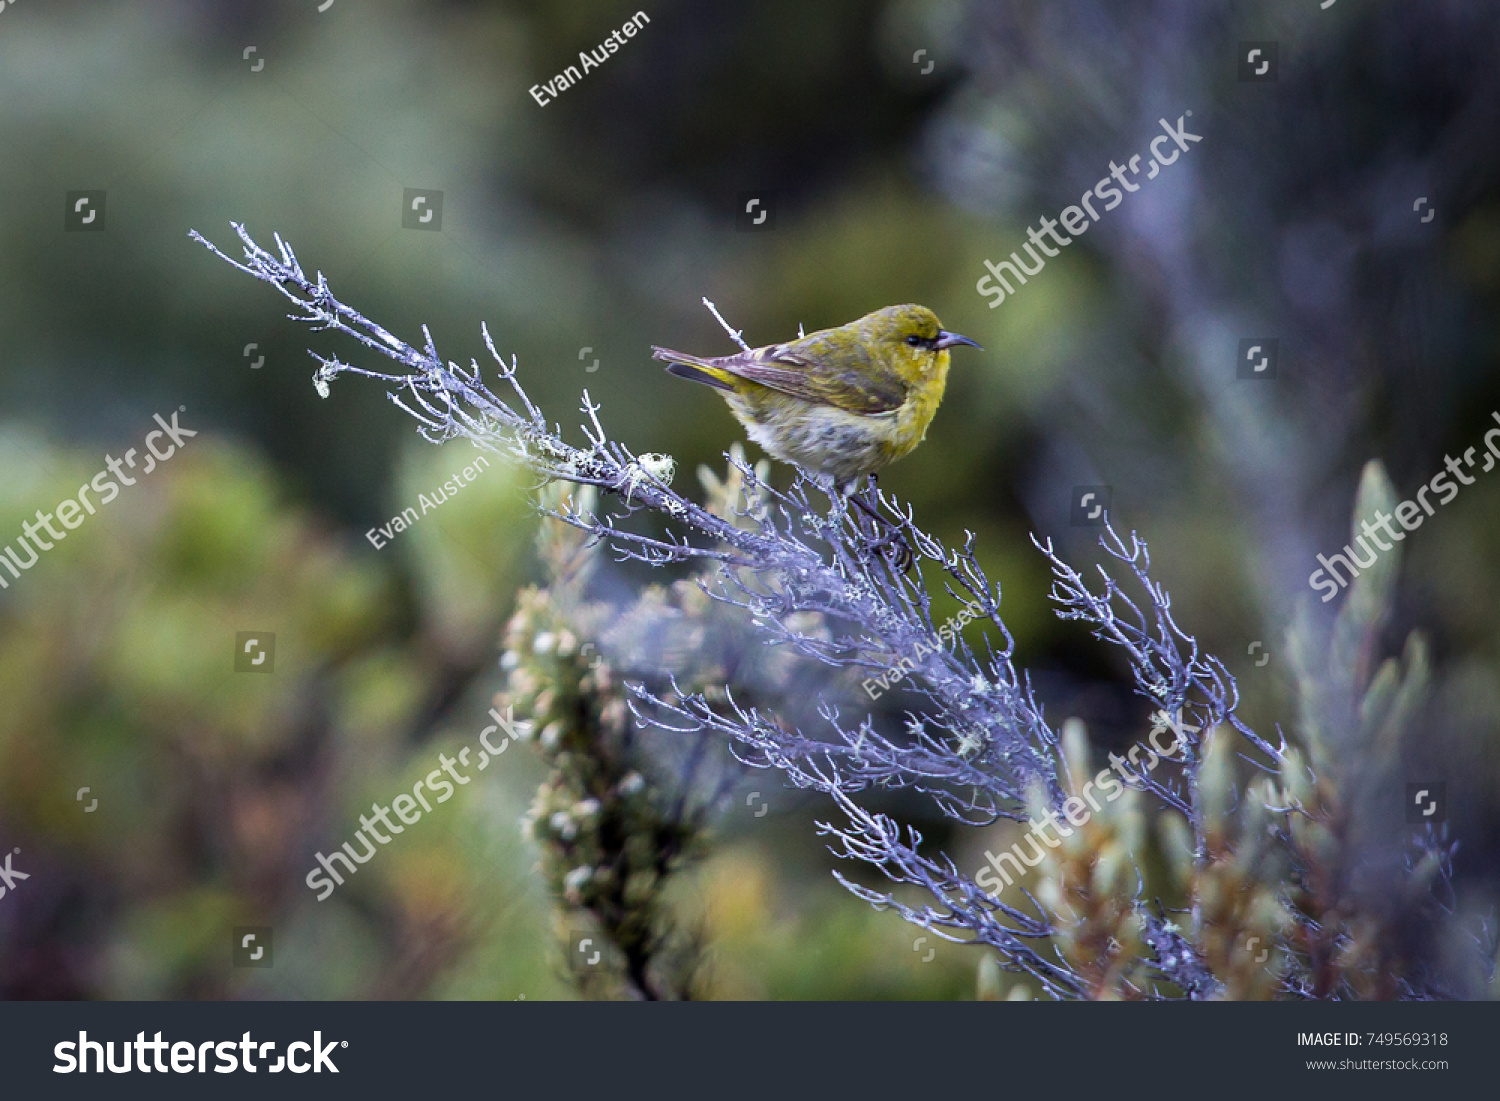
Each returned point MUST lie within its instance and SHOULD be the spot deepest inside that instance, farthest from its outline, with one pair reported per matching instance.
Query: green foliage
(215, 787)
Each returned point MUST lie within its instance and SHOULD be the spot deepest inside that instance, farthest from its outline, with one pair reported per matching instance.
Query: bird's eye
(916, 341)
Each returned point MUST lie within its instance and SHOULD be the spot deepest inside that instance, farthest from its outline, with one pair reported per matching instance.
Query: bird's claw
(895, 548)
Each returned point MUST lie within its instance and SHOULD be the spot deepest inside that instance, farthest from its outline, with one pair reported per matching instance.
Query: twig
(734, 334)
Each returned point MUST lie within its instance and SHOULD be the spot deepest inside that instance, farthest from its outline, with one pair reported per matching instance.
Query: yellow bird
(841, 402)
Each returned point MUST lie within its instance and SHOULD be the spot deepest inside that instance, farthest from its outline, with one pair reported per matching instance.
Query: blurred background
(897, 145)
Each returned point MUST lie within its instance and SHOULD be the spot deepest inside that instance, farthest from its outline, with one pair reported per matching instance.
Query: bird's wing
(843, 376)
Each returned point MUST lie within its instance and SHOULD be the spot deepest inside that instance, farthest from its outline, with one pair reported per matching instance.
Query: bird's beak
(946, 339)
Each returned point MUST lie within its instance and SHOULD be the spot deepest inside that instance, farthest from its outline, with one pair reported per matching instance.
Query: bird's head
(914, 339)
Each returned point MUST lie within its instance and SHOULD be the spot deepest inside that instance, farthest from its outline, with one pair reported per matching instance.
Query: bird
(841, 402)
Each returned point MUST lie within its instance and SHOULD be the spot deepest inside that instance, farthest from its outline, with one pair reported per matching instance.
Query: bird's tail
(694, 368)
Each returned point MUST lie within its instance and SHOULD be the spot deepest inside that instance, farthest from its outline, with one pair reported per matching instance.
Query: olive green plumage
(841, 402)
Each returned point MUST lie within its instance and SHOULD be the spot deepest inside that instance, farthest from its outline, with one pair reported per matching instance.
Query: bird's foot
(887, 539)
